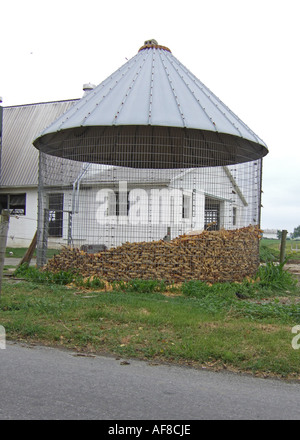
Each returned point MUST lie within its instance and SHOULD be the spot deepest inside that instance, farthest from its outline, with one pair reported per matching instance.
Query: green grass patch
(270, 250)
(12, 252)
(240, 326)
(39, 276)
(140, 286)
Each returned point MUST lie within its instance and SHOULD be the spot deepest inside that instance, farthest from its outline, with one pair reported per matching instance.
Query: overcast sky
(245, 51)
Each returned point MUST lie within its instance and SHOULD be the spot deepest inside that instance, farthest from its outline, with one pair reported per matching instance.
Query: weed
(62, 278)
(197, 289)
(141, 286)
(38, 276)
(267, 254)
(92, 282)
(273, 277)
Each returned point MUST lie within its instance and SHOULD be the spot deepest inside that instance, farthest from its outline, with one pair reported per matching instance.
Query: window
(15, 203)
(234, 215)
(212, 214)
(118, 203)
(56, 205)
(186, 206)
(3, 202)
(122, 203)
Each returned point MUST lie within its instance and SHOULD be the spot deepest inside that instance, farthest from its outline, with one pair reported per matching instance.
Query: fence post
(282, 246)
(4, 223)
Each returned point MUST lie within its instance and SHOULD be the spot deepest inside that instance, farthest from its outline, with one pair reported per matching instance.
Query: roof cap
(153, 44)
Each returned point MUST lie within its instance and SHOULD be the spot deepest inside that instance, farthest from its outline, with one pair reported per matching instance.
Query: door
(56, 205)
(212, 214)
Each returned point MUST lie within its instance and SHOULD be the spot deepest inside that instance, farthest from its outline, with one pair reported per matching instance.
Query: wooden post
(4, 223)
(30, 251)
(282, 246)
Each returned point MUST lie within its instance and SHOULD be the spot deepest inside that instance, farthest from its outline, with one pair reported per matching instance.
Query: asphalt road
(40, 383)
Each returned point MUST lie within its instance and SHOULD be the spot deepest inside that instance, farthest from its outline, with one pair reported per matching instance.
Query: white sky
(245, 51)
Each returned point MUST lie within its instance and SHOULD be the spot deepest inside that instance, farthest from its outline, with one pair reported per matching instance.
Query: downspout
(76, 187)
(75, 203)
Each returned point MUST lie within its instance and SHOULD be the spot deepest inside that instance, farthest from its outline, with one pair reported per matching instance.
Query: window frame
(186, 206)
(17, 208)
(212, 214)
(55, 215)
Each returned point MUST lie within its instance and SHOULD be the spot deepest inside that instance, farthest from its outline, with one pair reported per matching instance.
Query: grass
(270, 249)
(241, 327)
(12, 252)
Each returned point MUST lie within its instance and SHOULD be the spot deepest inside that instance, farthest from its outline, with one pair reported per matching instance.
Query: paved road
(49, 384)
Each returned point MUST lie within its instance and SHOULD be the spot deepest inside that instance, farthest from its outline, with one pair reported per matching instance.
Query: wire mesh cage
(145, 196)
(96, 207)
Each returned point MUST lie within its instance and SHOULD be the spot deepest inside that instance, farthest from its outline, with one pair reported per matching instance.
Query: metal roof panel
(154, 88)
(21, 124)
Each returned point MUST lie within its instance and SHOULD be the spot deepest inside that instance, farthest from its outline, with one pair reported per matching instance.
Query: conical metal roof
(155, 89)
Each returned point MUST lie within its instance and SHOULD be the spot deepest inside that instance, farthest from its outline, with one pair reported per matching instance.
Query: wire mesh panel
(143, 188)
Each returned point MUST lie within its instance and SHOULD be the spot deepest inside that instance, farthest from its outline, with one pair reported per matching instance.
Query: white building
(270, 233)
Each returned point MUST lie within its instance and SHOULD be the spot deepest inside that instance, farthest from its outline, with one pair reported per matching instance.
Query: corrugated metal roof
(153, 88)
(21, 125)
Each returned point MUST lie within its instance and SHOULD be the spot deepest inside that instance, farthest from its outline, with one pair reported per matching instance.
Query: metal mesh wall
(133, 190)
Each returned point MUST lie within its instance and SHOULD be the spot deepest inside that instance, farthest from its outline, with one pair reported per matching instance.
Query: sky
(245, 51)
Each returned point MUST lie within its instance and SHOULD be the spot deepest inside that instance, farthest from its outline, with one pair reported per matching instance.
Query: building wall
(23, 227)
(153, 212)
(270, 233)
(148, 218)
(19, 161)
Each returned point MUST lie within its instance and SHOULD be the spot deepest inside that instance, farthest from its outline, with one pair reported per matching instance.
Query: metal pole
(43, 217)
(260, 193)
(70, 228)
(4, 223)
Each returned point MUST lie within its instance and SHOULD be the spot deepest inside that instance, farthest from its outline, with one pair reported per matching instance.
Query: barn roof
(21, 124)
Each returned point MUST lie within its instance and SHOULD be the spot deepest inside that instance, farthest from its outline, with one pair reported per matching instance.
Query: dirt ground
(293, 266)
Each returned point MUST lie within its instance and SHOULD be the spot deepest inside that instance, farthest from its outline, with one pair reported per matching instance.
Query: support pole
(30, 251)
(4, 224)
(282, 246)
